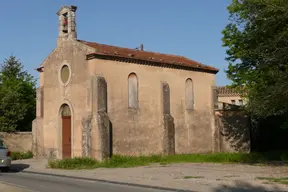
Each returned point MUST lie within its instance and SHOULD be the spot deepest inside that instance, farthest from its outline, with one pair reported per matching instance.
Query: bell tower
(67, 23)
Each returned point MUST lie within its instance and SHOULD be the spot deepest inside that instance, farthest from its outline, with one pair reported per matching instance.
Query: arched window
(166, 98)
(189, 95)
(133, 90)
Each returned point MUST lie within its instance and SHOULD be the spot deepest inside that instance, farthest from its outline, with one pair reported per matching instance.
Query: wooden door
(66, 136)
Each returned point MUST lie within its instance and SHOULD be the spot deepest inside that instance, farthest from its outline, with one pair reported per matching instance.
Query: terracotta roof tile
(226, 91)
(114, 51)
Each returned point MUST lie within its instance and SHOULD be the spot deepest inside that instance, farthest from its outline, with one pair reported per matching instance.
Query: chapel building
(97, 100)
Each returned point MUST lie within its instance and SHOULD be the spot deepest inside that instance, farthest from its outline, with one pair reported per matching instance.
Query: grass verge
(21, 155)
(193, 177)
(281, 180)
(128, 161)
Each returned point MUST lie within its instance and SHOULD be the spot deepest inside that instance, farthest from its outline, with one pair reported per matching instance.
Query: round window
(65, 73)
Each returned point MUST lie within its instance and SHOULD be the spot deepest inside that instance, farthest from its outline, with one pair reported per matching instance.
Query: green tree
(257, 51)
(17, 94)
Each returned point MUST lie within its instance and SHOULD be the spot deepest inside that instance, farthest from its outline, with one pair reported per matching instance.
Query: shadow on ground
(18, 167)
(244, 187)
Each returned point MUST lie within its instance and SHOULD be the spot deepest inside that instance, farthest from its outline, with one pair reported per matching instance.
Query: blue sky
(192, 28)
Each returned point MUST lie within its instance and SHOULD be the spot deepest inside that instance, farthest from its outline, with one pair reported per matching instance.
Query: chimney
(142, 47)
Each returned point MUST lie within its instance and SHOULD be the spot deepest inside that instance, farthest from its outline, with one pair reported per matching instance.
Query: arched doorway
(66, 131)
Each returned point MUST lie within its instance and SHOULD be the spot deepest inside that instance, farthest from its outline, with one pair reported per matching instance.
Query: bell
(65, 22)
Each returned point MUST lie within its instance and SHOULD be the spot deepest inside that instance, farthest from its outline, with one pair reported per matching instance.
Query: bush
(74, 163)
(128, 161)
(21, 155)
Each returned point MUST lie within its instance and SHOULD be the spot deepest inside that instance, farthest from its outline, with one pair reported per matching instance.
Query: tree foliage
(17, 94)
(257, 50)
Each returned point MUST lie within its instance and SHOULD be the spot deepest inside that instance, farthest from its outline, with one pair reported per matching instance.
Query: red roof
(225, 91)
(120, 52)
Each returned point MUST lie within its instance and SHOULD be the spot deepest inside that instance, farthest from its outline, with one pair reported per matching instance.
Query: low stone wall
(18, 142)
(232, 131)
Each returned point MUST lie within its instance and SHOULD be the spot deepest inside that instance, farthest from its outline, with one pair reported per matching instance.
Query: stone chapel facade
(97, 100)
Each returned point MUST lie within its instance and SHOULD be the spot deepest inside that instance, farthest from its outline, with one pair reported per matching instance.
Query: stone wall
(18, 142)
(232, 131)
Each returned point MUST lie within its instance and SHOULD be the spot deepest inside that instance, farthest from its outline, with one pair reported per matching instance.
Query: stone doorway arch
(66, 131)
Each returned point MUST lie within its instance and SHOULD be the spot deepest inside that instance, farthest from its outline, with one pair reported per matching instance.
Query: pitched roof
(145, 56)
(226, 91)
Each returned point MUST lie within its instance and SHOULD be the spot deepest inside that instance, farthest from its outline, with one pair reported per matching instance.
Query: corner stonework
(101, 130)
(168, 122)
(37, 126)
(86, 136)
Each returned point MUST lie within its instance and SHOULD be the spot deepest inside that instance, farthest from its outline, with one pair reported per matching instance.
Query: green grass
(281, 180)
(192, 177)
(128, 161)
(230, 176)
(21, 155)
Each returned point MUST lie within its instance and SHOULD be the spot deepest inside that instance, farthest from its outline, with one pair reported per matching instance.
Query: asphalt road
(43, 183)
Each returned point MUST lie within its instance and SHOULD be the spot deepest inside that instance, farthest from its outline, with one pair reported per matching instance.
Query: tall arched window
(133, 90)
(189, 95)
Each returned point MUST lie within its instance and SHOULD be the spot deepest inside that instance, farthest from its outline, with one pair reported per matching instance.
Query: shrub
(21, 155)
(74, 163)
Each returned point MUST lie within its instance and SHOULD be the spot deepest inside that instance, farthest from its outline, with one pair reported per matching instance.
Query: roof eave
(161, 64)
(39, 69)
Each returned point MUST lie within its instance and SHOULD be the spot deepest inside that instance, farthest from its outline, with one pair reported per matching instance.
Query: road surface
(43, 183)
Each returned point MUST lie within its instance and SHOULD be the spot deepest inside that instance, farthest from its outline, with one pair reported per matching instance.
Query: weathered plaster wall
(134, 131)
(233, 131)
(228, 99)
(18, 142)
(140, 131)
(76, 94)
